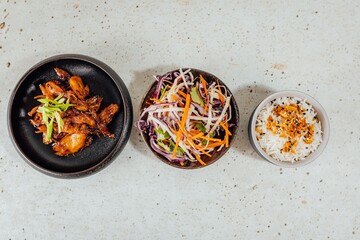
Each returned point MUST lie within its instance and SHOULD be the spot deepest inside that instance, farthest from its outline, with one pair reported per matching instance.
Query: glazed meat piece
(107, 114)
(105, 117)
(83, 118)
(70, 128)
(63, 75)
(36, 120)
(50, 90)
(94, 103)
(67, 117)
(33, 111)
(71, 144)
(77, 85)
(54, 89)
(103, 130)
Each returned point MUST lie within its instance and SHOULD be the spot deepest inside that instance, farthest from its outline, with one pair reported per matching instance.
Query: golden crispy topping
(290, 124)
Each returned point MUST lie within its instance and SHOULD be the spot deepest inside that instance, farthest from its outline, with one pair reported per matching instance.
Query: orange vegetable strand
(182, 124)
(199, 160)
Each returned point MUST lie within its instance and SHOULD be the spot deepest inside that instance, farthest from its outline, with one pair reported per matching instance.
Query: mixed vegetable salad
(187, 117)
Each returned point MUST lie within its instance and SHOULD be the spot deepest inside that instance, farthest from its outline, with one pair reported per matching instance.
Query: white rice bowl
(273, 144)
(270, 139)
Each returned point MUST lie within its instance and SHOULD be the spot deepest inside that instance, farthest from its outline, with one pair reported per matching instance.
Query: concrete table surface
(256, 48)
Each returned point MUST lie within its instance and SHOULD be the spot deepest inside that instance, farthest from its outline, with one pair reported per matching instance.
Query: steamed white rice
(274, 144)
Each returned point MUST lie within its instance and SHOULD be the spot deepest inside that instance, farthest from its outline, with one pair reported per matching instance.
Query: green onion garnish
(51, 113)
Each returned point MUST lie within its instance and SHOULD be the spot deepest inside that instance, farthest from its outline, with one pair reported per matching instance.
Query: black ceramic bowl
(103, 81)
(215, 154)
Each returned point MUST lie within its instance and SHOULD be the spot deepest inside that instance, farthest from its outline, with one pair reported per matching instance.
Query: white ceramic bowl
(321, 114)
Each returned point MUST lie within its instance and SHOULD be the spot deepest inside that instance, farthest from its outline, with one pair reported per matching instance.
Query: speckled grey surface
(256, 47)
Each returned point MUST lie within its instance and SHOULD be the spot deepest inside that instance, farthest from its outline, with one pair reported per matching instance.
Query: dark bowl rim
(233, 103)
(123, 138)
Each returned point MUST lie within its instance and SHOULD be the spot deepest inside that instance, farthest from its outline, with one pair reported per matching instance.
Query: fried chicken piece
(62, 74)
(51, 90)
(71, 127)
(107, 114)
(94, 103)
(54, 89)
(41, 129)
(105, 117)
(45, 93)
(79, 104)
(33, 111)
(71, 144)
(77, 85)
(83, 118)
(36, 120)
(104, 130)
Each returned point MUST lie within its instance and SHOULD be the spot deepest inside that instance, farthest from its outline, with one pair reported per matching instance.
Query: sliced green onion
(49, 129)
(51, 110)
(59, 121)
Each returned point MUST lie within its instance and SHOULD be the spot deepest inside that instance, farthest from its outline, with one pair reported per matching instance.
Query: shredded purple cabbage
(199, 108)
(160, 80)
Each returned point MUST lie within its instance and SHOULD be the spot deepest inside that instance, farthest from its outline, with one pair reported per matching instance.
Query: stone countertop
(256, 48)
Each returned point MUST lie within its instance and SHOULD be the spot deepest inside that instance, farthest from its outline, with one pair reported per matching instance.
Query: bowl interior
(321, 114)
(29, 143)
(215, 154)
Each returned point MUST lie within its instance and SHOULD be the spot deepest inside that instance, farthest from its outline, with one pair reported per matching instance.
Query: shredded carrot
(170, 83)
(199, 148)
(182, 123)
(176, 144)
(180, 104)
(174, 97)
(203, 82)
(204, 152)
(227, 133)
(186, 111)
(224, 126)
(199, 135)
(226, 140)
(191, 142)
(205, 108)
(216, 144)
(172, 130)
(210, 139)
(182, 163)
(181, 93)
(39, 96)
(156, 100)
(199, 159)
(194, 132)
